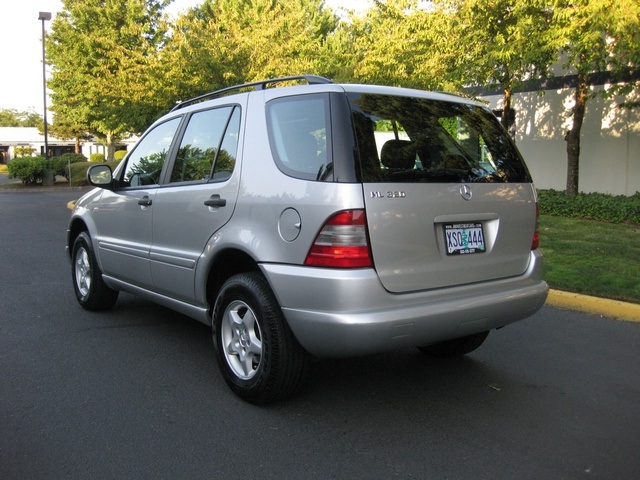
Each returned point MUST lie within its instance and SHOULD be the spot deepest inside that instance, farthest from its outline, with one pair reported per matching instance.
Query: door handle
(145, 201)
(215, 201)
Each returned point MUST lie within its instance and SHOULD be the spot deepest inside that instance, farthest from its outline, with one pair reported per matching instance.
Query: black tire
(456, 347)
(90, 289)
(258, 355)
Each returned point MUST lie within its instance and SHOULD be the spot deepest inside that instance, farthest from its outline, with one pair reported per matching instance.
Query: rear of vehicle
(443, 243)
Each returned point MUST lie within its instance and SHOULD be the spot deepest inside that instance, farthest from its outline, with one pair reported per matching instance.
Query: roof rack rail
(261, 85)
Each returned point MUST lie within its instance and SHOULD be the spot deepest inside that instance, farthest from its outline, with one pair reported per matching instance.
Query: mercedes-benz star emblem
(465, 192)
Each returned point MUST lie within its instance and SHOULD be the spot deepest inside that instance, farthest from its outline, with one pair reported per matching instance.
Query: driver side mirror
(100, 176)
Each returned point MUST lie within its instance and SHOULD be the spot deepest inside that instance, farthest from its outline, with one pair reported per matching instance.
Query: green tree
(104, 55)
(14, 118)
(225, 42)
(501, 43)
(68, 124)
(398, 42)
(594, 36)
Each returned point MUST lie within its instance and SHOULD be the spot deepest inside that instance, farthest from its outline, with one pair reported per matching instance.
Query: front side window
(299, 134)
(200, 145)
(144, 164)
(407, 139)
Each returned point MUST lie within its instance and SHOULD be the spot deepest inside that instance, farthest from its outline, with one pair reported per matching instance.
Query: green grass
(3, 168)
(592, 258)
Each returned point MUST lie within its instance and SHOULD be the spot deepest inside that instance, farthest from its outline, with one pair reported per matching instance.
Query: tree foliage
(400, 43)
(14, 118)
(104, 56)
(504, 43)
(117, 63)
(226, 42)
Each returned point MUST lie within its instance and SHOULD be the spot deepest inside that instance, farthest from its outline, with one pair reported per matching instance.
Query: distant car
(316, 220)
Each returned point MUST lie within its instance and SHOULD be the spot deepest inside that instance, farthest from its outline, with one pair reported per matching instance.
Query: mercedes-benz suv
(316, 220)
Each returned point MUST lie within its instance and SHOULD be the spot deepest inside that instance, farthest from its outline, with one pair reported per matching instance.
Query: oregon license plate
(464, 238)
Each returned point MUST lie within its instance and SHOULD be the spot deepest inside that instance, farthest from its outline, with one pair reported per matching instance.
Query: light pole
(45, 16)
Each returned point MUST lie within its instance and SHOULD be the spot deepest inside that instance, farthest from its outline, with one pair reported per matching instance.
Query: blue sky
(21, 50)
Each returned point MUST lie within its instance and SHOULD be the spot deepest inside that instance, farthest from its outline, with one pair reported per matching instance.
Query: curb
(629, 312)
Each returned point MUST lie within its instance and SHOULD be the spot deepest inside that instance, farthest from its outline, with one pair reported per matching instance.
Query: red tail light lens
(536, 234)
(342, 242)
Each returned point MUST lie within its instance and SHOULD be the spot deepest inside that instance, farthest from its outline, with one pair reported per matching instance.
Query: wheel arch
(76, 227)
(226, 264)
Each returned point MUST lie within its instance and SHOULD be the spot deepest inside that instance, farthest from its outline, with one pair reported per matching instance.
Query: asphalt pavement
(135, 392)
(4, 179)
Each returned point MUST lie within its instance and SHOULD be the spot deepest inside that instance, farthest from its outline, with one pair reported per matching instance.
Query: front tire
(456, 347)
(258, 355)
(91, 291)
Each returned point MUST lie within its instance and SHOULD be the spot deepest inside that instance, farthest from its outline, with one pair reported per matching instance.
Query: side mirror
(100, 176)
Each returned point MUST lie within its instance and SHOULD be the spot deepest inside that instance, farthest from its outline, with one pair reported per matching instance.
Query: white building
(609, 142)
(12, 137)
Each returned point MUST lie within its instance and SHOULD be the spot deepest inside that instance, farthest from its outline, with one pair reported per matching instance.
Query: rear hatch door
(449, 200)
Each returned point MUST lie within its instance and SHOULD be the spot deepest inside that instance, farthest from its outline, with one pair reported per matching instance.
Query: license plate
(464, 238)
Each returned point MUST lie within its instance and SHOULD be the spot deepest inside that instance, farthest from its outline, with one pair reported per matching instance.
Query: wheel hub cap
(241, 340)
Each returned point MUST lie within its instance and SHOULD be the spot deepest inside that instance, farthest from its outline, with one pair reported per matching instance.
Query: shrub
(28, 169)
(119, 155)
(591, 206)
(60, 165)
(97, 157)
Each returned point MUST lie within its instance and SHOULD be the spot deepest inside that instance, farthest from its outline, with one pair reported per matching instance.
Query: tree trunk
(77, 145)
(573, 136)
(506, 109)
(110, 142)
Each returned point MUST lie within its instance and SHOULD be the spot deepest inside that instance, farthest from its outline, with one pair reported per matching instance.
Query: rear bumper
(338, 313)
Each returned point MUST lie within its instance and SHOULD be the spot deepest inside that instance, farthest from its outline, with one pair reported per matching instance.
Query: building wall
(11, 137)
(609, 143)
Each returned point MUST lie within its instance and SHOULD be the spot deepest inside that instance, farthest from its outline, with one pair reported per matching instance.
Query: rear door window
(203, 145)
(407, 139)
(299, 134)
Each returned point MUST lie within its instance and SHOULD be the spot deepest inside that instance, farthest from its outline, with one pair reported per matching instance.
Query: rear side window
(299, 135)
(407, 139)
(208, 146)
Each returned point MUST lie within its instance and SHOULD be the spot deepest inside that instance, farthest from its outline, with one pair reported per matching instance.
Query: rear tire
(91, 291)
(258, 355)
(456, 347)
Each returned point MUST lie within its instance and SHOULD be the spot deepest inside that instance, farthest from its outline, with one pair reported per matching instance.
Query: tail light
(536, 234)
(342, 242)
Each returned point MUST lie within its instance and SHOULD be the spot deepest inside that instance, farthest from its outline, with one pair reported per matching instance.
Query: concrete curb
(596, 306)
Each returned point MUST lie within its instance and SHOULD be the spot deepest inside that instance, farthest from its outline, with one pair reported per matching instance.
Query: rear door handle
(145, 201)
(215, 201)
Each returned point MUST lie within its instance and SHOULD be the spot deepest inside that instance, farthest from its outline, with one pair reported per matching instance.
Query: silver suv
(317, 220)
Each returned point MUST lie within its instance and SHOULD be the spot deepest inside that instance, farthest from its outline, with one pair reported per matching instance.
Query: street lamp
(44, 16)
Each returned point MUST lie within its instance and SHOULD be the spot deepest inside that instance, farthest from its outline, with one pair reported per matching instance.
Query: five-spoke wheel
(258, 355)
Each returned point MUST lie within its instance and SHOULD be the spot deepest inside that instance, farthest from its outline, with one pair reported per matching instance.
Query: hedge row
(591, 206)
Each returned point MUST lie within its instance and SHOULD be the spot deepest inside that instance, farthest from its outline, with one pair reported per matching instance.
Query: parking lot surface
(135, 392)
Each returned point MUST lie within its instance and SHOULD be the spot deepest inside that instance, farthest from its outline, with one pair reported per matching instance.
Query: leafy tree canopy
(226, 42)
(14, 118)
(104, 58)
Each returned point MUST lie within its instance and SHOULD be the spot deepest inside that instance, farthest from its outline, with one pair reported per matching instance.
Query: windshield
(408, 139)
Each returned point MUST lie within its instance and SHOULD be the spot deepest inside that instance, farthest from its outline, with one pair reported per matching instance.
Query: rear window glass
(299, 132)
(407, 139)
